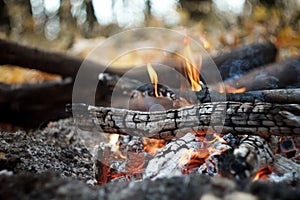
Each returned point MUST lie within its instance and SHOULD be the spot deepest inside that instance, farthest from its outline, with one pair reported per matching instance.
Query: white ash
(210, 166)
(288, 177)
(166, 163)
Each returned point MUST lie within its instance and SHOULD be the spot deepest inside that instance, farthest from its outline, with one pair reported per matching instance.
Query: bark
(283, 74)
(239, 118)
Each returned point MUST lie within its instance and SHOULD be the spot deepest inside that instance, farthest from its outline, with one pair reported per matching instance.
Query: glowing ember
(230, 89)
(153, 145)
(113, 139)
(153, 78)
(217, 137)
(262, 174)
(191, 157)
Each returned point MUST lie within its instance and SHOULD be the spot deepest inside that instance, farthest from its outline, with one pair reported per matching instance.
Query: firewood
(252, 154)
(169, 161)
(125, 86)
(283, 166)
(239, 118)
(30, 105)
(243, 59)
(284, 170)
(283, 74)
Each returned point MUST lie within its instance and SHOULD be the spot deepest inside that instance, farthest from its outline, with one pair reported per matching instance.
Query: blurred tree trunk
(4, 18)
(68, 23)
(90, 20)
(19, 12)
(196, 8)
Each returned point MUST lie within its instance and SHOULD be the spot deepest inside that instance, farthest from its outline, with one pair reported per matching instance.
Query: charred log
(56, 63)
(125, 87)
(252, 154)
(284, 74)
(243, 59)
(172, 158)
(23, 104)
(239, 118)
(285, 170)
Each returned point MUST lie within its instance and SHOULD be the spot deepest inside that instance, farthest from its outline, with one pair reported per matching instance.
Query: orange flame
(262, 174)
(217, 137)
(153, 78)
(193, 77)
(204, 41)
(153, 145)
(191, 156)
(230, 89)
(190, 66)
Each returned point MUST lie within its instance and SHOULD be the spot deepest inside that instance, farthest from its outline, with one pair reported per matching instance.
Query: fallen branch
(239, 118)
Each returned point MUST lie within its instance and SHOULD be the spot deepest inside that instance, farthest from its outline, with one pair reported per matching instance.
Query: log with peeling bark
(282, 74)
(238, 118)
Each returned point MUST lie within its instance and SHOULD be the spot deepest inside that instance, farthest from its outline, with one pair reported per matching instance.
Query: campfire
(163, 134)
(241, 130)
(200, 102)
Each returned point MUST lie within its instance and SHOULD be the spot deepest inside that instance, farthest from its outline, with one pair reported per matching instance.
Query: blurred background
(75, 25)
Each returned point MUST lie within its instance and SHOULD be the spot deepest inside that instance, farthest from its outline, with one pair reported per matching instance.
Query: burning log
(28, 111)
(252, 154)
(239, 118)
(171, 159)
(273, 96)
(125, 86)
(283, 74)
